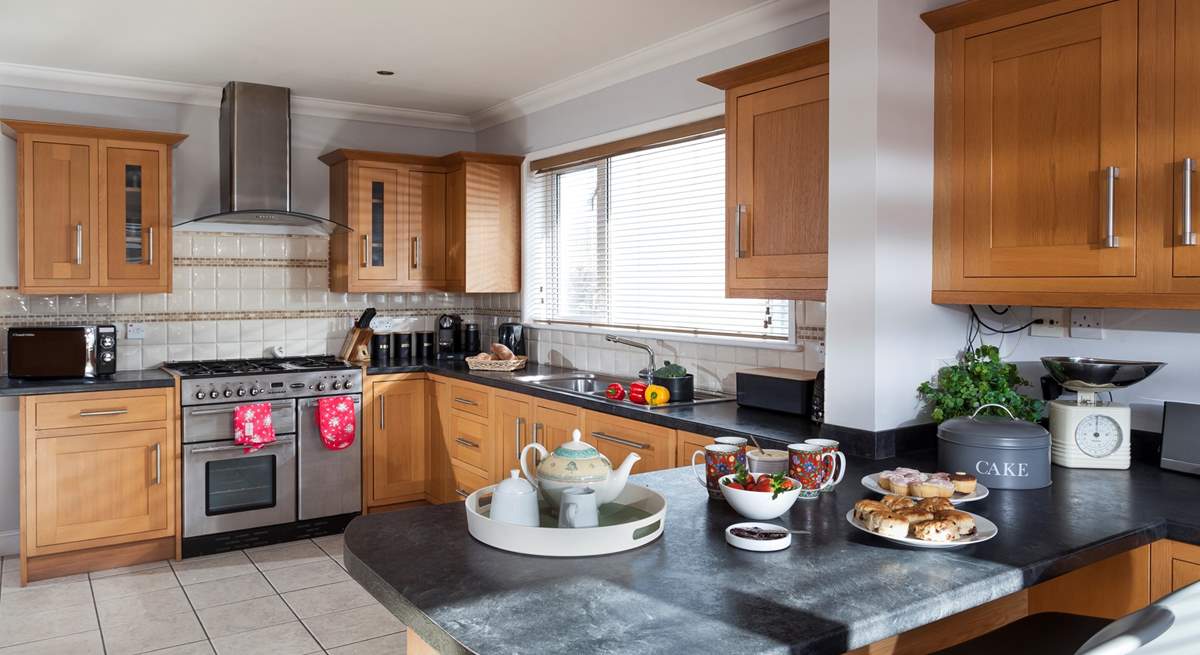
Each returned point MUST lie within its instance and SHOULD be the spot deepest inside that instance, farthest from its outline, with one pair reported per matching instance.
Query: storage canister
(1002, 452)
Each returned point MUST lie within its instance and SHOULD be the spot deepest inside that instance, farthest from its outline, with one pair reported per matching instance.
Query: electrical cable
(997, 312)
(993, 330)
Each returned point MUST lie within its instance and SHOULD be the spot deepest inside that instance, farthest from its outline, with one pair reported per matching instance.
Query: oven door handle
(313, 402)
(221, 449)
(225, 410)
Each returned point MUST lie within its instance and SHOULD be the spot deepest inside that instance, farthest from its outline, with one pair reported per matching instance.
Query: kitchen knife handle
(1188, 238)
(1111, 240)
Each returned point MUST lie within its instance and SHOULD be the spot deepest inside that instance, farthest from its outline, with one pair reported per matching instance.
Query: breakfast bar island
(1094, 542)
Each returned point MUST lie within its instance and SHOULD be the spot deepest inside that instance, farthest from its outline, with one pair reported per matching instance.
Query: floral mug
(806, 465)
(719, 460)
(834, 469)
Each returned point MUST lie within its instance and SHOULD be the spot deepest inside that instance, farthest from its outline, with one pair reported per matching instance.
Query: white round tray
(634, 519)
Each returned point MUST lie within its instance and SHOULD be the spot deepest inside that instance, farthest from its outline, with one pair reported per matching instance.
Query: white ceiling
(453, 56)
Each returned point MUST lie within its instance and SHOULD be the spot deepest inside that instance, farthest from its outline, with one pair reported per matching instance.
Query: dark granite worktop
(831, 591)
(148, 379)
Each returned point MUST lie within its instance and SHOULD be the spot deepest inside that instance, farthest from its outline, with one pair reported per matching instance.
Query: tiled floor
(287, 599)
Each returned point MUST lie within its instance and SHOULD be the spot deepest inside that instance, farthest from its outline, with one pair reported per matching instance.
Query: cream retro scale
(1087, 432)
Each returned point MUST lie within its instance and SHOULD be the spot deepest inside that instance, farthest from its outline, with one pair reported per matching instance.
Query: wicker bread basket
(515, 364)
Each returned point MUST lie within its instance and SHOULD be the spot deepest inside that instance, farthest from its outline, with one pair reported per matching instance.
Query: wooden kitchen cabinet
(94, 208)
(483, 245)
(687, 443)
(616, 437)
(397, 441)
(777, 174)
(98, 480)
(1174, 565)
(513, 425)
(554, 423)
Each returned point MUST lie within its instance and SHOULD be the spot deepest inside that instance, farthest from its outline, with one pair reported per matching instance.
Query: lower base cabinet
(396, 446)
(617, 438)
(686, 445)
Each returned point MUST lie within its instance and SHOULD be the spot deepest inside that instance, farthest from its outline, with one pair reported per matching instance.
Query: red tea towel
(335, 421)
(252, 426)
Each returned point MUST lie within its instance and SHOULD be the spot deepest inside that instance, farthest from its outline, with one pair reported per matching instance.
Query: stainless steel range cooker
(289, 489)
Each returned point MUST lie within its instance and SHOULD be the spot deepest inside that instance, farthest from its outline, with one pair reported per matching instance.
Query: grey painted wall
(659, 94)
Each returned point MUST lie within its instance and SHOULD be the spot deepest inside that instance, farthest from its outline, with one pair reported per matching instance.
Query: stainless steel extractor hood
(256, 161)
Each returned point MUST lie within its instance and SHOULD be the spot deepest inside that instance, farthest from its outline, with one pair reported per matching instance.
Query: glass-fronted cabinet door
(136, 215)
(377, 219)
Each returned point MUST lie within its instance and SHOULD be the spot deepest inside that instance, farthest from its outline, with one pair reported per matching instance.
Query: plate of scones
(955, 487)
(926, 523)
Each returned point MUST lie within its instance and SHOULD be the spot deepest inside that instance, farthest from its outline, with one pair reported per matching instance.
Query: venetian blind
(637, 242)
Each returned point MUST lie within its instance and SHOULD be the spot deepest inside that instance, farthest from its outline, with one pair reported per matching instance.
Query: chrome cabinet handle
(157, 463)
(150, 247)
(382, 411)
(465, 401)
(466, 442)
(1188, 238)
(314, 403)
(103, 412)
(416, 252)
(364, 252)
(78, 244)
(460, 492)
(618, 440)
(537, 429)
(737, 231)
(1111, 240)
(518, 429)
(221, 449)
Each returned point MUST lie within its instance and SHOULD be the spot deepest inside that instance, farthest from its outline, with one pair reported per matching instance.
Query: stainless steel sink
(592, 385)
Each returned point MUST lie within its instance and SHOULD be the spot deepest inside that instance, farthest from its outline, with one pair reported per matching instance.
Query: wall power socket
(1087, 323)
(1054, 322)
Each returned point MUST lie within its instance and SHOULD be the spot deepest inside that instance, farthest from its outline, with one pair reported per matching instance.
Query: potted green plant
(979, 378)
(679, 383)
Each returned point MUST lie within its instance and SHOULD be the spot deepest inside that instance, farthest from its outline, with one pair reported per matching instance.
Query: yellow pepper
(656, 394)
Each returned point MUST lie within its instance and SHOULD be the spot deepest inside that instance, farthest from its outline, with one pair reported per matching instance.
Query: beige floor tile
(11, 579)
(283, 639)
(197, 648)
(303, 576)
(152, 633)
(212, 567)
(333, 545)
(244, 616)
(31, 600)
(145, 566)
(278, 556)
(84, 643)
(56, 622)
(315, 601)
(126, 609)
(131, 584)
(396, 644)
(350, 626)
(228, 590)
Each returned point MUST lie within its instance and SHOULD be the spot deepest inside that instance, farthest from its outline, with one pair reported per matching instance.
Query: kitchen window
(635, 241)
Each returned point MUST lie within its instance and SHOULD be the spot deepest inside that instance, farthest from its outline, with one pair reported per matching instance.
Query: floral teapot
(577, 464)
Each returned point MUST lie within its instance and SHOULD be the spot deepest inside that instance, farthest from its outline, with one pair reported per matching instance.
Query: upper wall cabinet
(94, 208)
(777, 174)
(1063, 133)
(424, 223)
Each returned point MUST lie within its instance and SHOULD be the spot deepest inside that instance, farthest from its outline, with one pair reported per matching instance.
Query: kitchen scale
(1087, 432)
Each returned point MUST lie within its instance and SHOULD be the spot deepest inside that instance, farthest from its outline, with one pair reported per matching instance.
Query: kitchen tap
(647, 372)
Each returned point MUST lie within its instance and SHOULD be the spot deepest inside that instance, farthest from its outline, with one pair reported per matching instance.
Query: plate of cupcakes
(956, 487)
(927, 523)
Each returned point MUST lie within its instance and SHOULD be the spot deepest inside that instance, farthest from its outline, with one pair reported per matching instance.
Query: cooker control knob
(199, 395)
(241, 391)
(346, 384)
(227, 393)
(320, 386)
(213, 394)
(335, 385)
(254, 391)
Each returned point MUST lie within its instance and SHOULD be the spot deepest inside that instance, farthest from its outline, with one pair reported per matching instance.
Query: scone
(964, 483)
(898, 502)
(890, 525)
(914, 514)
(936, 504)
(963, 521)
(932, 489)
(864, 508)
(941, 530)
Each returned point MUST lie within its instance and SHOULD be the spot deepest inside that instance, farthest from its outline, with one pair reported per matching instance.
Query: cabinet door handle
(518, 429)
(364, 252)
(78, 244)
(460, 492)
(465, 401)
(103, 412)
(382, 411)
(416, 252)
(466, 442)
(157, 463)
(739, 215)
(537, 430)
(1188, 238)
(618, 440)
(150, 247)
(1111, 240)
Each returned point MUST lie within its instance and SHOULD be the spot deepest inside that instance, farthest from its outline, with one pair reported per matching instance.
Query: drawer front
(469, 399)
(465, 482)
(99, 409)
(470, 442)
(616, 437)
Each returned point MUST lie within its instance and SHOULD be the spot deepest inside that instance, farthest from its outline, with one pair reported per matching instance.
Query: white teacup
(578, 508)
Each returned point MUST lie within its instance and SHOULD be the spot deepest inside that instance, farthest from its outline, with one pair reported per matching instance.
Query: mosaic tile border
(246, 263)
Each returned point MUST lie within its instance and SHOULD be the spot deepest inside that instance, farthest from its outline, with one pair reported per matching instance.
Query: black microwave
(83, 351)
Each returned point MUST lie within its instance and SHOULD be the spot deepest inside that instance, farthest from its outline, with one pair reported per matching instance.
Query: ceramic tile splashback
(240, 296)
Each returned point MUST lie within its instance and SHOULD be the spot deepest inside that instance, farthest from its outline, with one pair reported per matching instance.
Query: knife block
(357, 346)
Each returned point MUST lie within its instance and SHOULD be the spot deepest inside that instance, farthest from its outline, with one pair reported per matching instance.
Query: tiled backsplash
(239, 296)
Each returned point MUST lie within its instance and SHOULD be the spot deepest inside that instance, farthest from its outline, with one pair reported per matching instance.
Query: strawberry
(733, 484)
(764, 484)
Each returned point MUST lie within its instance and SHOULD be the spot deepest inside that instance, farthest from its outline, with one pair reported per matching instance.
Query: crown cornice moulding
(138, 88)
(735, 28)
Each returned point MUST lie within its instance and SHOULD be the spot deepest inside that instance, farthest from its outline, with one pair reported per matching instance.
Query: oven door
(225, 488)
(330, 480)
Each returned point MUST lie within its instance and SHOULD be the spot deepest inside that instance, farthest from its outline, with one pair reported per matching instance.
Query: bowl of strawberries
(762, 497)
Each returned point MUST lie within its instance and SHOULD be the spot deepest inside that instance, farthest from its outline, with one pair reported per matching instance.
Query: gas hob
(217, 381)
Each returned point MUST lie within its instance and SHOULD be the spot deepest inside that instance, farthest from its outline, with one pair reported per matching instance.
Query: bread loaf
(501, 352)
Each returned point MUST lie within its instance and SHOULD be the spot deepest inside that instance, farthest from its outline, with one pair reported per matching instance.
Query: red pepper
(615, 391)
(637, 392)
